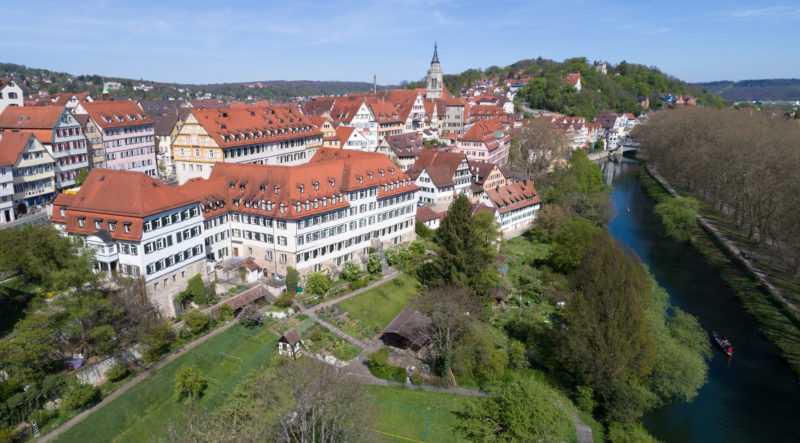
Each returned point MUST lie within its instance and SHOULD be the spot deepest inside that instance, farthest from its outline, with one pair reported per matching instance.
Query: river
(754, 397)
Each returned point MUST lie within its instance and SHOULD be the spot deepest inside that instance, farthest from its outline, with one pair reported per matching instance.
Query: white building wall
(6, 194)
(10, 95)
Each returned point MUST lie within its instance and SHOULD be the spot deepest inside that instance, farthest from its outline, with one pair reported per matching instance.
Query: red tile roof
(441, 166)
(114, 114)
(25, 117)
(514, 196)
(11, 146)
(572, 79)
(248, 125)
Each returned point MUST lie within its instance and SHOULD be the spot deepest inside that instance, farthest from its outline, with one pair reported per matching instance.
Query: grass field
(140, 413)
(396, 419)
(378, 306)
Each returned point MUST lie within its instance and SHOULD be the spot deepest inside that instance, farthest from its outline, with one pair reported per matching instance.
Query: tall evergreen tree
(463, 257)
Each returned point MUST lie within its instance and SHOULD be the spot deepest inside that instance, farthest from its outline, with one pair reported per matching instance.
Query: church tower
(435, 82)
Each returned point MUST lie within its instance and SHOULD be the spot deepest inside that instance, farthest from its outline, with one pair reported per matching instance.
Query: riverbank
(776, 321)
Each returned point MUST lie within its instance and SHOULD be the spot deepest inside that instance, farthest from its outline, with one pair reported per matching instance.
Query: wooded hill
(33, 79)
(617, 89)
(774, 89)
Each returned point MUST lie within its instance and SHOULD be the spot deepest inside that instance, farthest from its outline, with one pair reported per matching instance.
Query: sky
(203, 41)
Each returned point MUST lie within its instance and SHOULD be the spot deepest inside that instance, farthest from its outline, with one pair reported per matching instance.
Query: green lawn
(525, 248)
(378, 306)
(396, 419)
(140, 413)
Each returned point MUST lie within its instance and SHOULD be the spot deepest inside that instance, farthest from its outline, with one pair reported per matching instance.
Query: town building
(574, 79)
(10, 94)
(487, 140)
(435, 79)
(59, 131)
(402, 149)
(273, 135)
(312, 216)
(33, 170)
(515, 205)
(441, 177)
(486, 175)
(126, 134)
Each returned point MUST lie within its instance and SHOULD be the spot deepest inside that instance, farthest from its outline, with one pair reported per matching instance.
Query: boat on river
(723, 343)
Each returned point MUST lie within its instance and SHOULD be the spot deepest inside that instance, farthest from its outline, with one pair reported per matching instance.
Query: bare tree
(539, 147)
(451, 309)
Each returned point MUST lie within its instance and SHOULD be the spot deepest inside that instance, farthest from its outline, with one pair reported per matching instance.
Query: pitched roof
(513, 196)
(251, 124)
(114, 114)
(27, 117)
(485, 131)
(480, 170)
(134, 194)
(343, 134)
(411, 325)
(573, 78)
(440, 165)
(4, 81)
(425, 213)
(11, 146)
(405, 145)
(291, 336)
(247, 297)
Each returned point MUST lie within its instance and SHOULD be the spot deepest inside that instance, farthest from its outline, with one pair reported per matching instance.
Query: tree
(350, 272)
(423, 231)
(523, 409)
(571, 241)
(189, 383)
(195, 291)
(539, 146)
(81, 177)
(313, 401)
(452, 310)
(292, 278)
(374, 264)
(607, 338)
(678, 216)
(318, 283)
(197, 321)
(26, 353)
(35, 252)
(158, 337)
(462, 258)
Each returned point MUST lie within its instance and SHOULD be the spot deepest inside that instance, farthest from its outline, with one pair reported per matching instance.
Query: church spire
(435, 54)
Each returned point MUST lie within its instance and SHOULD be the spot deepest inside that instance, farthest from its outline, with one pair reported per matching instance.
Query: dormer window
(283, 209)
(277, 189)
(263, 206)
(63, 211)
(370, 174)
(241, 186)
(316, 203)
(324, 202)
(98, 224)
(120, 119)
(307, 205)
(333, 182)
(236, 202)
(127, 227)
(316, 186)
(269, 206)
(233, 186)
(112, 226)
(81, 222)
(301, 188)
(360, 180)
(262, 188)
(297, 207)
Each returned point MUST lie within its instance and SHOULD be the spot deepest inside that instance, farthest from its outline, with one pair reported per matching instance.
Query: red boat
(723, 343)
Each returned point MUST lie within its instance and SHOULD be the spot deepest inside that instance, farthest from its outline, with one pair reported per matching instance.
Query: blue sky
(204, 41)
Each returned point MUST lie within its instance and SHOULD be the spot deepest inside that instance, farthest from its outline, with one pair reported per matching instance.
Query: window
(127, 228)
(282, 240)
(81, 221)
(97, 224)
(112, 226)
(283, 258)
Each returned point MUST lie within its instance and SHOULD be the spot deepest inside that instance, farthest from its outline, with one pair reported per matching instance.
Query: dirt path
(732, 248)
(182, 350)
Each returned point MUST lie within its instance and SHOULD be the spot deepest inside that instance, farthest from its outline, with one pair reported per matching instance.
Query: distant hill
(33, 80)
(771, 89)
(618, 89)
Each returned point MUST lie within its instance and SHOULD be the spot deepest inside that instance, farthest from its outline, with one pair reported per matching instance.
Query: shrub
(116, 372)
(377, 329)
(9, 435)
(158, 340)
(224, 313)
(392, 257)
(41, 416)
(195, 292)
(628, 433)
(291, 280)
(379, 367)
(374, 264)
(189, 383)
(350, 272)
(423, 231)
(584, 399)
(416, 378)
(285, 300)
(358, 284)
(318, 283)
(80, 396)
(197, 321)
(251, 316)
(102, 337)
(316, 335)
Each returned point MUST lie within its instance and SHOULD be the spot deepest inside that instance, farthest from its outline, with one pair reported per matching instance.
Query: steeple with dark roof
(435, 79)
(435, 55)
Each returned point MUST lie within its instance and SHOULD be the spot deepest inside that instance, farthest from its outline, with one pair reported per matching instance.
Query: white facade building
(10, 94)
